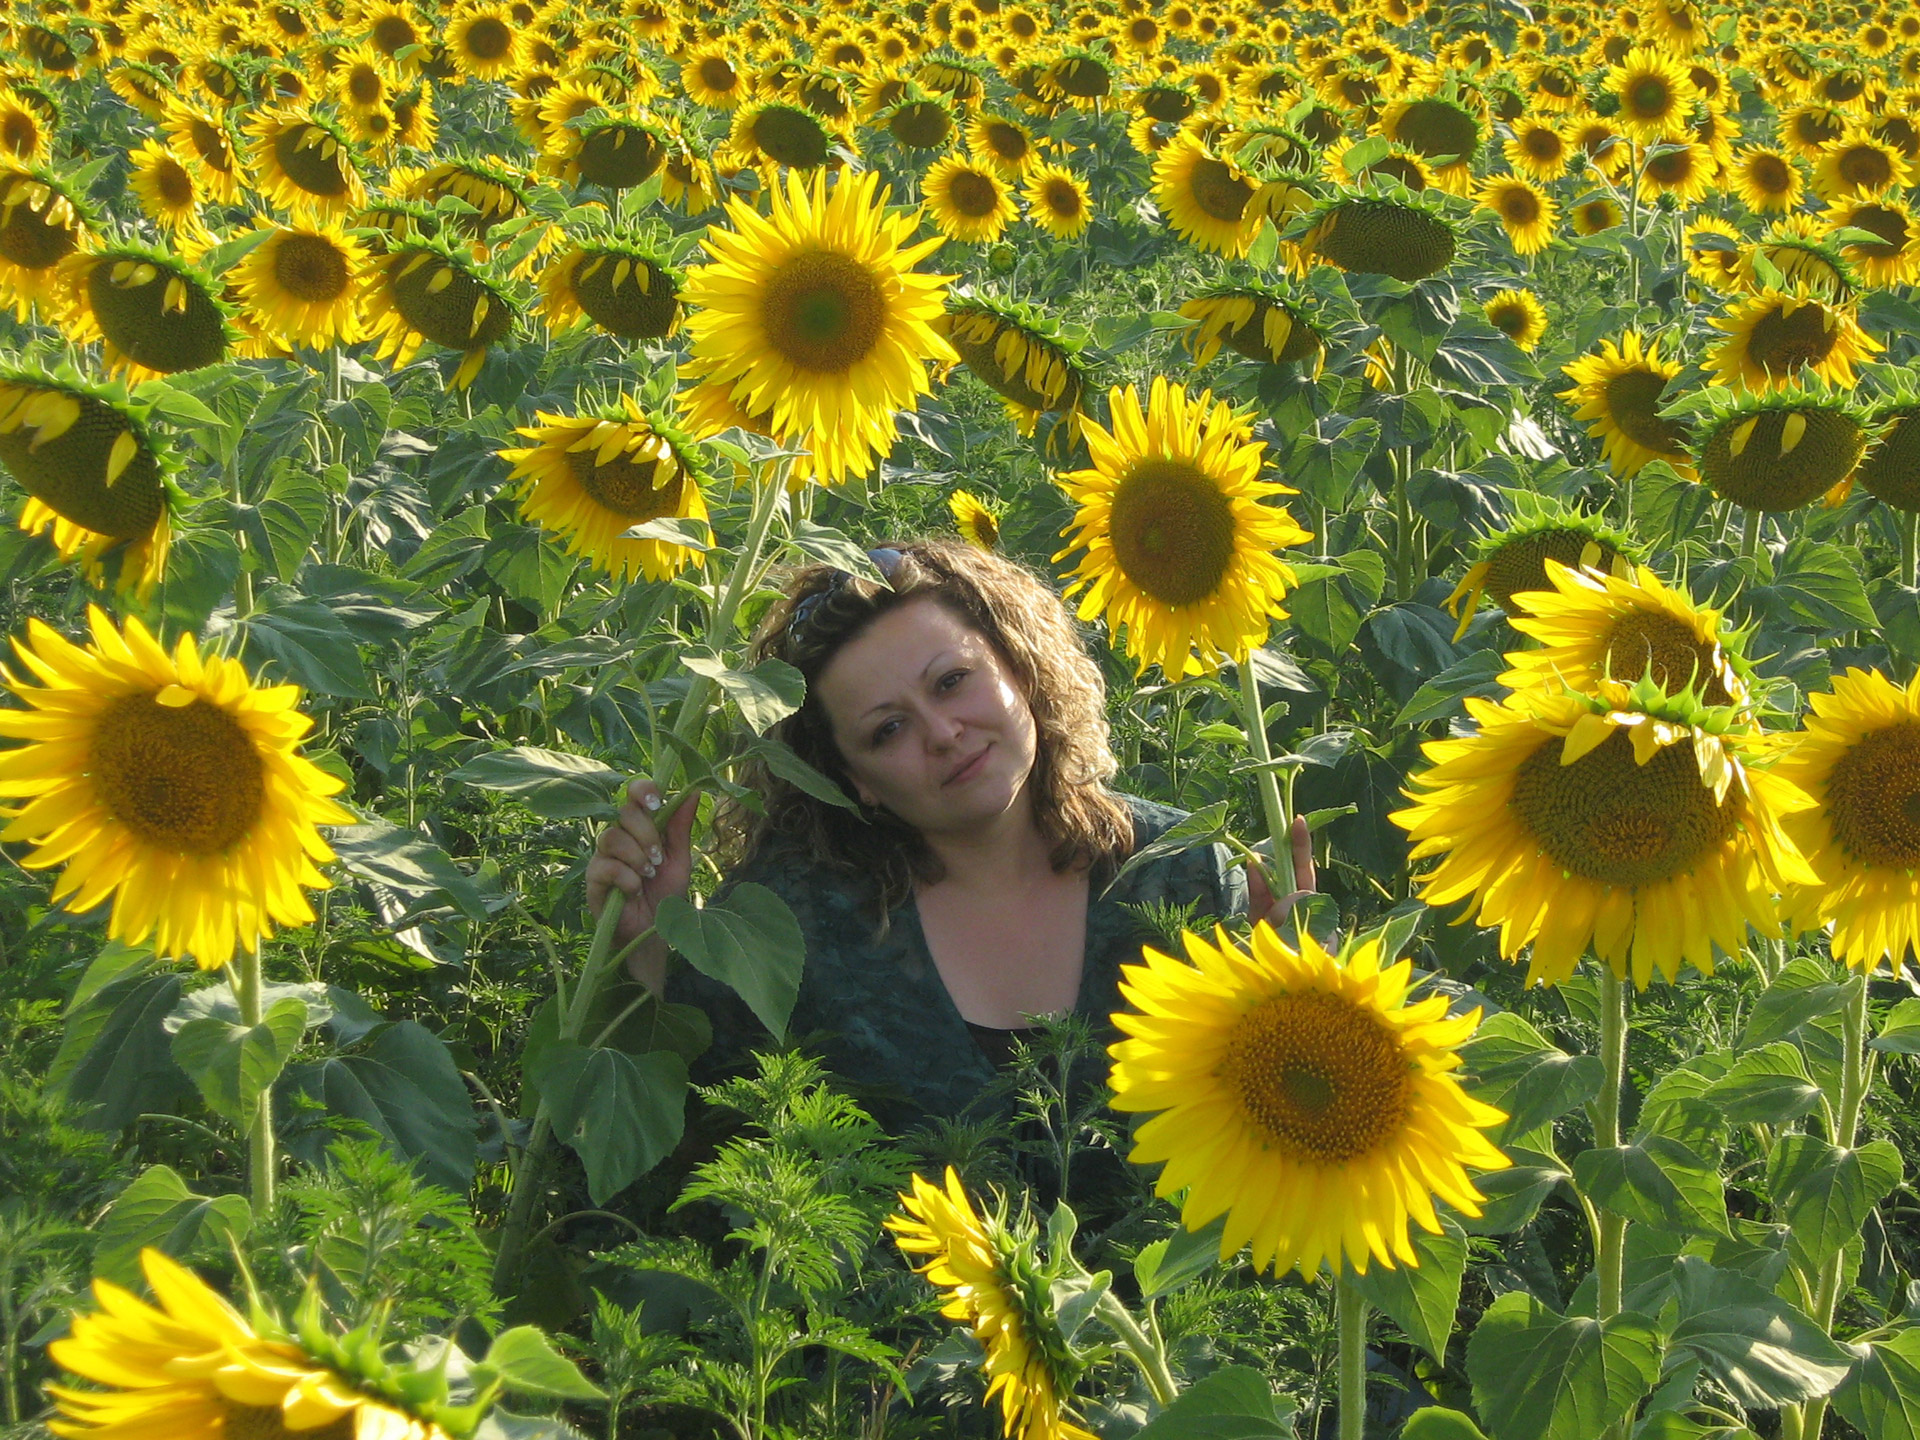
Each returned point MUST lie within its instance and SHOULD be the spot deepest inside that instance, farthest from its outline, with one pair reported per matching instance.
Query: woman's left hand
(1260, 902)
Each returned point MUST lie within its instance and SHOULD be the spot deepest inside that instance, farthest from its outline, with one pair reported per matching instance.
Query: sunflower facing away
(1302, 1096)
(1771, 336)
(1628, 821)
(1180, 550)
(1251, 321)
(991, 1278)
(590, 478)
(1781, 450)
(621, 286)
(1514, 560)
(305, 164)
(423, 291)
(193, 1365)
(1619, 393)
(1020, 355)
(1857, 756)
(169, 783)
(153, 314)
(302, 285)
(40, 225)
(813, 314)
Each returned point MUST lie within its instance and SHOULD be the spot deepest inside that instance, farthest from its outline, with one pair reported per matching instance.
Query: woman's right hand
(645, 856)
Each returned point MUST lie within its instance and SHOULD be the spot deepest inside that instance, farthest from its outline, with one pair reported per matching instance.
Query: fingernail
(654, 854)
(648, 872)
(653, 802)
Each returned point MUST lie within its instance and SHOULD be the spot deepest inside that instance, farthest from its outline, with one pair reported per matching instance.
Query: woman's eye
(886, 732)
(952, 679)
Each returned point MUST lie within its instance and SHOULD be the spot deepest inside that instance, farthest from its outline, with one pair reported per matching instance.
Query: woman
(972, 887)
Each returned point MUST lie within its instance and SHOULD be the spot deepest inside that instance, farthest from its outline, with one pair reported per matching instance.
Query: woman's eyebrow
(888, 704)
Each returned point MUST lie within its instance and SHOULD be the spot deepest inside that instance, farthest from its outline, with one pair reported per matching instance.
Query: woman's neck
(1003, 852)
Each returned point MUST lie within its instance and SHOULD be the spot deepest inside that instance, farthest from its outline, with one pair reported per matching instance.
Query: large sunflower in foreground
(302, 284)
(168, 783)
(1618, 392)
(995, 1286)
(1857, 756)
(1180, 548)
(1594, 626)
(1781, 450)
(1302, 1096)
(1628, 821)
(813, 314)
(194, 1366)
(1771, 336)
(590, 478)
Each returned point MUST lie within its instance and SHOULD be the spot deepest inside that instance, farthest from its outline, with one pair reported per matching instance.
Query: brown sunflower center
(312, 159)
(1006, 141)
(1510, 318)
(210, 144)
(1889, 224)
(718, 75)
(1866, 167)
(182, 777)
(27, 237)
(364, 85)
(628, 486)
(1322, 1077)
(1217, 191)
(311, 268)
(1892, 471)
(1615, 822)
(1789, 336)
(1435, 128)
(173, 182)
(823, 311)
(1172, 530)
(1650, 642)
(1633, 405)
(790, 136)
(1543, 144)
(923, 125)
(1671, 168)
(444, 302)
(392, 34)
(1873, 798)
(489, 38)
(1519, 206)
(1770, 174)
(972, 194)
(164, 321)
(1062, 199)
(627, 294)
(19, 134)
(1650, 98)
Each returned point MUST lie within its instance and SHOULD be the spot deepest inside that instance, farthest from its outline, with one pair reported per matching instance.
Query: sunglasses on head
(885, 559)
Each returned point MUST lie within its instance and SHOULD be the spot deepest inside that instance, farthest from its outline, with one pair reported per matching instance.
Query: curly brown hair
(1084, 823)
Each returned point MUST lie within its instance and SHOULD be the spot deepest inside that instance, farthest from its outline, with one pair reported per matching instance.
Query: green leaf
(1434, 1423)
(1445, 695)
(783, 761)
(1186, 1255)
(835, 548)
(308, 642)
(1655, 1181)
(687, 531)
(766, 694)
(232, 1064)
(1800, 993)
(748, 941)
(1422, 1299)
(527, 1364)
(551, 783)
(1513, 1197)
(1328, 611)
(116, 1058)
(1768, 1086)
(1538, 1375)
(408, 862)
(621, 1113)
(1901, 1034)
(159, 1210)
(453, 548)
(294, 513)
(1818, 584)
(1882, 1396)
(1531, 1079)
(404, 1086)
(1765, 1351)
(1233, 1403)
(1203, 827)
(1825, 1193)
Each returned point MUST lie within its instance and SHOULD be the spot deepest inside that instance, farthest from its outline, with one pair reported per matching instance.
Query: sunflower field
(1490, 431)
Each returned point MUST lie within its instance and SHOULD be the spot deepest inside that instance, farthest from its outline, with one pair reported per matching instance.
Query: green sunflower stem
(1351, 1315)
(1750, 533)
(1146, 1351)
(1909, 548)
(1272, 803)
(244, 975)
(1609, 1241)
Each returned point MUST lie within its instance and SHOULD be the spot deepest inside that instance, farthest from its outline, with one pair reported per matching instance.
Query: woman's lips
(969, 768)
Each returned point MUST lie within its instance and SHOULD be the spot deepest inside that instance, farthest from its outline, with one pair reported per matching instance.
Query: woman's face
(929, 720)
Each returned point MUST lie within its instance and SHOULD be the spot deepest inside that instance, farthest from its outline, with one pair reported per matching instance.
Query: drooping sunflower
(1807, 129)
(1714, 251)
(998, 1288)
(1782, 449)
(1891, 471)
(623, 286)
(968, 200)
(1655, 91)
(301, 285)
(305, 164)
(1771, 336)
(590, 478)
(193, 1365)
(1058, 201)
(1807, 261)
(1594, 626)
(975, 520)
(1857, 756)
(1619, 392)
(423, 290)
(169, 783)
(155, 314)
(1519, 315)
(1252, 320)
(814, 314)
(1379, 235)
(141, 86)
(1181, 553)
(1205, 198)
(497, 192)
(1859, 166)
(774, 135)
(1022, 356)
(1892, 259)
(1629, 821)
(93, 476)
(1441, 131)
(1526, 212)
(40, 226)
(205, 139)
(613, 149)
(1514, 560)
(1301, 1095)
(24, 134)
(687, 182)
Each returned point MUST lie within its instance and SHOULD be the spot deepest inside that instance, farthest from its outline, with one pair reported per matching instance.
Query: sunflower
(170, 784)
(141, 86)
(1781, 450)
(621, 286)
(1003, 143)
(1440, 131)
(1518, 315)
(1654, 91)
(1379, 235)
(1057, 201)
(1807, 261)
(483, 42)
(1808, 129)
(1594, 213)
(1894, 258)
(1771, 336)
(975, 519)
(391, 26)
(996, 1286)
(814, 315)
(24, 136)
(154, 314)
(365, 79)
(1594, 626)
(305, 164)
(1514, 560)
(40, 226)
(1858, 166)
(1619, 393)
(967, 200)
(1891, 471)
(1252, 321)
(614, 149)
(1301, 1095)
(1180, 548)
(590, 478)
(422, 290)
(920, 121)
(774, 135)
(194, 1365)
(1205, 198)
(1679, 170)
(1714, 255)
(1526, 212)
(206, 142)
(1539, 150)
(1628, 821)
(1857, 756)
(687, 181)
(547, 109)
(711, 78)
(415, 125)
(1021, 356)
(168, 193)
(301, 285)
